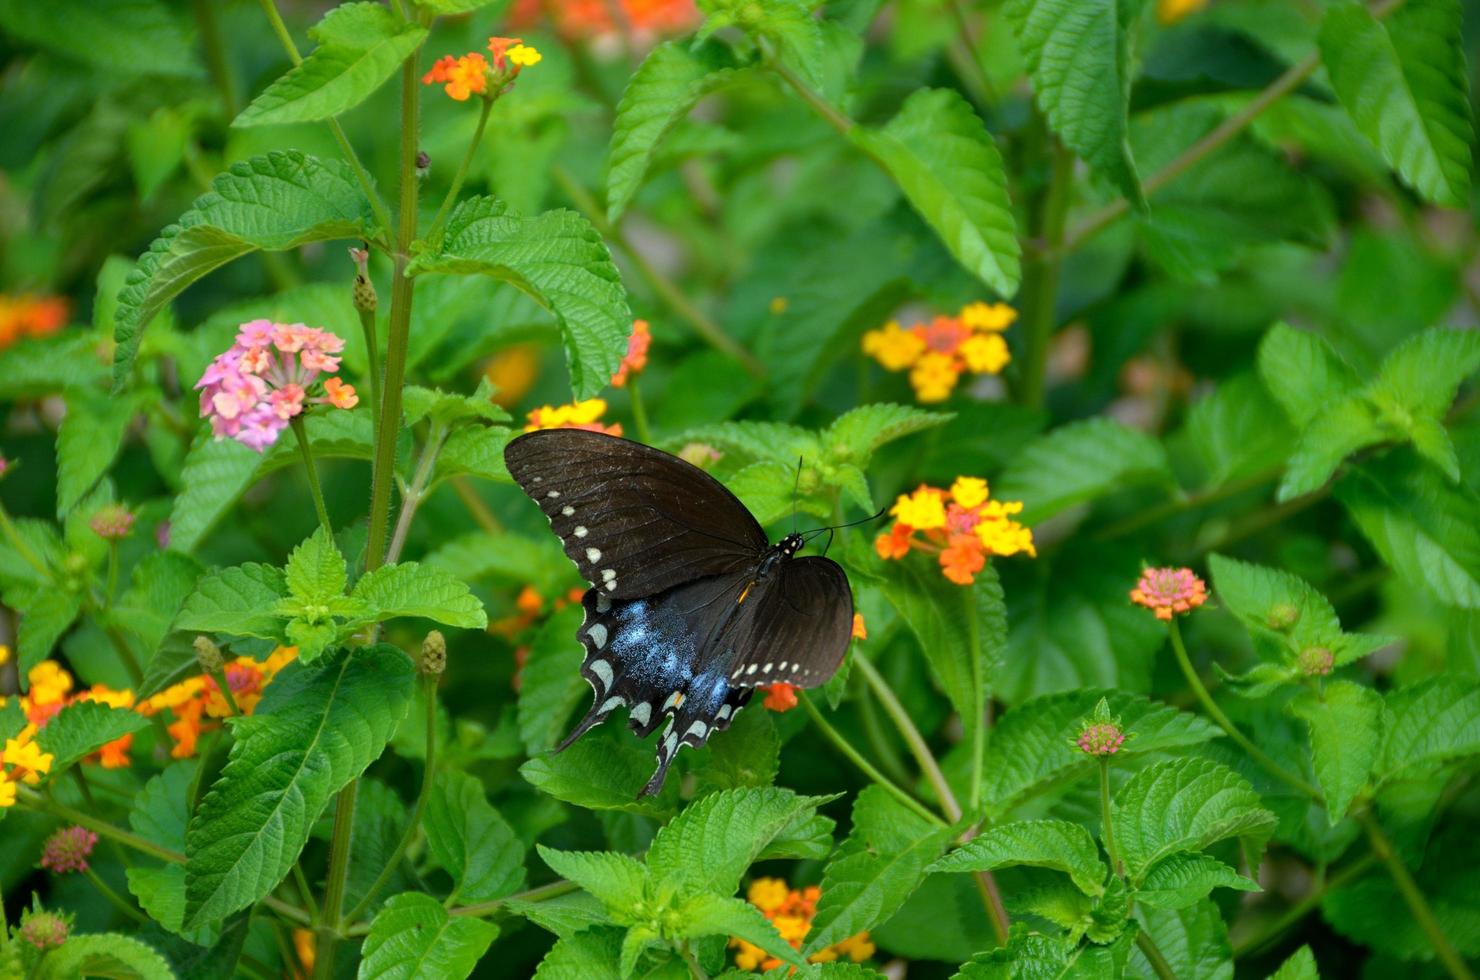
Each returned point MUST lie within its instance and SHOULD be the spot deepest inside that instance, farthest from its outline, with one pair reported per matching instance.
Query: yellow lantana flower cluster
(938, 353)
(195, 700)
(962, 526)
(791, 911)
(577, 415)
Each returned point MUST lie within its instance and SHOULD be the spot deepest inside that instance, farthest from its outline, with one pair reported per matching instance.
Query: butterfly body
(690, 607)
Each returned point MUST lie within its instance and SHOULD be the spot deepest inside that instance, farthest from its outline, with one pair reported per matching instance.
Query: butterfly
(690, 607)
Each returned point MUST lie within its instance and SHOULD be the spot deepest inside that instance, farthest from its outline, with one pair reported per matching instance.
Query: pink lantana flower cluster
(252, 391)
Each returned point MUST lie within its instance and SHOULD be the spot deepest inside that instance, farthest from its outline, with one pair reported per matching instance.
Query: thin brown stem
(1413, 897)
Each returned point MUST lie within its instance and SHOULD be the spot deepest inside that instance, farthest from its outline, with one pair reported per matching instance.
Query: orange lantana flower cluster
(637, 350)
(50, 689)
(531, 609)
(196, 703)
(646, 19)
(938, 353)
(29, 315)
(577, 415)
(471, 74)
(961, 525)
(791, 911)
(783, 697)
(1169, 592)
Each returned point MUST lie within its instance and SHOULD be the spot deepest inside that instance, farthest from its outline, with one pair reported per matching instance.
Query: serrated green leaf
(875, 870)
(159, 586)
(270, 203)
(1031, 746)
(778, 442)
(1336, 432)
(589, 955)
(241, 601)
(707, 914)
(40, 366)
(1238, 430)
(316, 572)
(1182, 879)
(449, 408)
(506, 558)
(1078, 55)
(857, 434)
(1423, 373)
(1194, 941)
(551, 684)
(104, 954)
(1056, 844)
(424, 591)
(88, 441)
(1303, 372)
(1429, 723)
(161, 812)
(600, 772)
(44, 619)
(1345, 723)
(709, 845)
(1079, 463)
(316, 729)
(560, 261)
(670, 81)
(1184, 806)
(474, 451)
(1300, 966)
(161, 894)
(82, 728)
(946, 164)
(380, 820)
(471, 840)
(750, 755)
(413, 936)
(617, 880)
(360, 46)
(1404, 83)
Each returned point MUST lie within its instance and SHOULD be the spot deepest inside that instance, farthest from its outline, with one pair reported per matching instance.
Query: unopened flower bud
(112, 522)
(1316, 661)
(434, 654)
(207, 654)
(44, 930)
(1100, 733)
(364, 290)
(423, 163)
(67, 850)
(1282, 616)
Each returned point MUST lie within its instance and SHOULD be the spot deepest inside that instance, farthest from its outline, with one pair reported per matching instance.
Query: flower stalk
(311, 469)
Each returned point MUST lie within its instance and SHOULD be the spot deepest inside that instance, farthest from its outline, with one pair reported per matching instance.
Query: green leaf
(474, 451)
(618, 881)
(670, 81)
(1345, 723)
(410, 589)
(1303, 372)
(1183, 879)
(126, 37)
(788, 24)
(507, 559)
(159, 586)
(44, 619)
(946, 164)
(1423, 373)
(360, 45)
(420, 403)
(1425, 529)
(1336, 432)
(1300, 966)
(1403, 81)
(1031, 748)
(161, 812)
(1185, 805)
(241, 601)
(709, 845)
(560, 261)
(88, 440)
(589, 955)
(316, 729)
(1238, 431)
(316, 572)
(551, 684)
(879, 866)
(600, 772)
(1194, 941)
(1429, 723)
(161, 893)
(1056, 844)
(471, 841)
(42, 366)
(857, 434)
(104, 954)
(716, 915)
(413, 936)
(273, 202)
(82, 728)
(380, 820)
(1078, 55)
(1079, 463)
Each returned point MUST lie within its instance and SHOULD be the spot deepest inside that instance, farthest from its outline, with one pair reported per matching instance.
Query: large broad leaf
(1194, 941)
(360, 45)
(708, 914)
(602, 771)
(424, 591)
(414, 936)
(1426, 529)
(1055, 844)
(561, 262)
(1186, 805)
(84, 727)
(106, 954)
(944, 160)
(709, 845)
(1032, 751)
(1078, 53)
(1078, 463)
(240, 601)
(88, 441)
(1302, 371)
(45, 617)
(670, 81)
(858, 433)
(472, 841)
(551, 684)
(126, 37)
(1345, 724)
(1337, 431)
(882, 862)
(1403, 81)
(1431, 723)
(1300, 966)
(618, 881)
(1181, 879)
(314, 731)
(273, 202)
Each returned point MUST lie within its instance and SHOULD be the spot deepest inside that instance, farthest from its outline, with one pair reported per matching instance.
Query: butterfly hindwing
(635, 520)
(795, 627)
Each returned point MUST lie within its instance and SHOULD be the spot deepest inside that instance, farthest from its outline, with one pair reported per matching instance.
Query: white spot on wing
(603, 672)
(597, 634)
(750, 670)
(724, 711)
(669, 743)
(603, 604)
(767, 668)
(643, 712)
(672, 700)
(553, 494)
(611, 586)
(567, 510)
(698, 730)
(611, 703)
(607, 574)
(593, 555)
(580, 531)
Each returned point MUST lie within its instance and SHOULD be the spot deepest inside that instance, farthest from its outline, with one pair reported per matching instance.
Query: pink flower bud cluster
(252, 391)
(68, 849)
(1101, 739)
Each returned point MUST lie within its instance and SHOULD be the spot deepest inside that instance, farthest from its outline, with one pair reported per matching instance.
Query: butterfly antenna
(795, 488)
(838, 527)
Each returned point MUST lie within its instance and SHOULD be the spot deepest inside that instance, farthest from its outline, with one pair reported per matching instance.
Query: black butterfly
(690, 607)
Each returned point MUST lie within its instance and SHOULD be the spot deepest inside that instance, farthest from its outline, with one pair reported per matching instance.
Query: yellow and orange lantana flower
(938, 353)
(577, 415)
(609, 19)
(637, 350)
(472, 74)
(791, 911)
(196, 704)
(29, 315)
(962, 526)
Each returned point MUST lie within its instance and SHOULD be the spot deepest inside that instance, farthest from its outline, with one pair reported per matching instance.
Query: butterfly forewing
(635, 520)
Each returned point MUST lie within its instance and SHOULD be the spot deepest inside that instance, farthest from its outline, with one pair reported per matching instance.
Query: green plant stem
(1179, 505)
(824, 109)
(413, 824)
(1042, 287)
(1270, 933)
(300, 432)
(692, 961)
(963, 55)
(1154, 956)
(112, 575)
(1418, 906)
(476, 508)
(367, 184)
(219, 676)
(215, 51)
(978, 724)
(115, 899)
(412, 498)
(985, 882)
(305, 893)
(35, 801)
(125, 654)
(552, 890)
(1107, 827)
(462, 172)
(639, 411)
(400, 328)
(864, 766)
(708, 330)
(1223, 721)
(290, 912)
(372, 354)
(330, 921)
